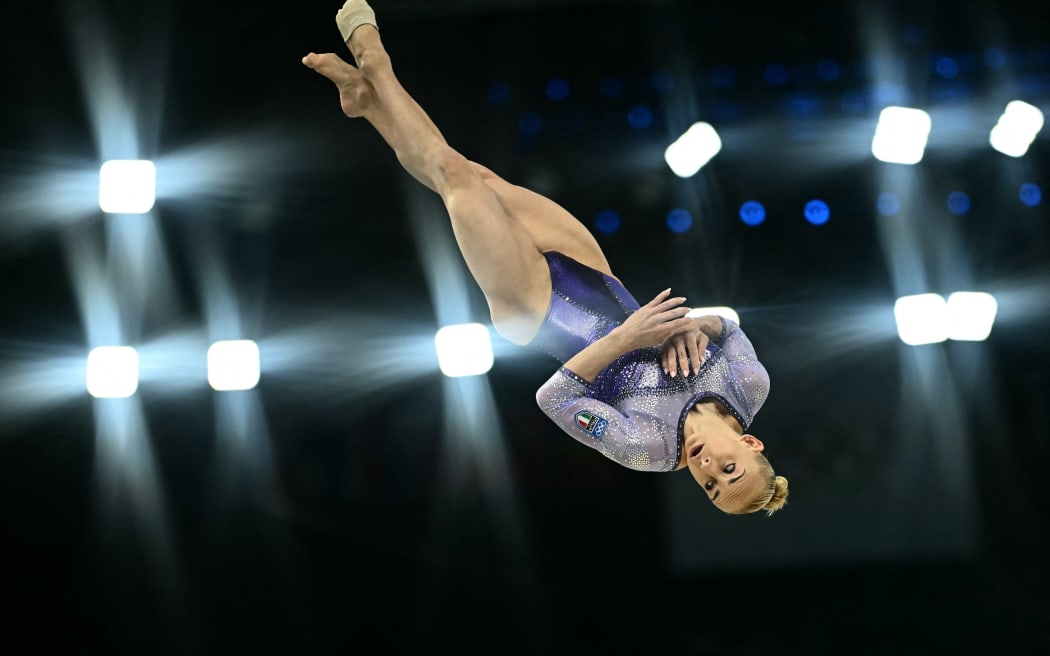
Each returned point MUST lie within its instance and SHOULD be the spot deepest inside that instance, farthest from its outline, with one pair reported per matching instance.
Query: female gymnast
(645, 385)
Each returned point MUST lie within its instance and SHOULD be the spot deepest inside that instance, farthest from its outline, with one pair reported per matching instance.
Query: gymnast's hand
(684, 349)
(653, 323)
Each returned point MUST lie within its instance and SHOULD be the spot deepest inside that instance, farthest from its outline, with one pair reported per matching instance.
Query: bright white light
(692, 150)
(127, 186)
(721, 311)
(971, 315)
(233, 365)
(1016, 129)
(112, 372)
(921, 319)
(901, 134)
(464, 350)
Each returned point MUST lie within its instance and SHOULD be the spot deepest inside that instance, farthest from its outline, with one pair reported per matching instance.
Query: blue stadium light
(557, 88)
(888, 204)
(679, 220)
(607, 222)
(530, 123)
(752, 213)
(1031, 195)
(958, 203)
(610, 87)
(498, 93)
(802, 105)
(828, 70)
(640, 117)
(946, 67)
(817, 212)
(775, 75)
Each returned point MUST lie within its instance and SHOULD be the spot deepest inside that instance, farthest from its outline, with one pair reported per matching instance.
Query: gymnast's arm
(647, 326)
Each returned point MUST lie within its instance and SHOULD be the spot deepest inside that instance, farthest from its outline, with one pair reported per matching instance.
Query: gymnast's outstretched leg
(502, 230)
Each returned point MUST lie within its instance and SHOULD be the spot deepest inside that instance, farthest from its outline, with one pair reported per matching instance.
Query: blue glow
(958, 203)
(776, 75)
(723, 77)
(889, 93)
(1031, 195)
(888, 204)
(828, 70)
(662, 81)
(610, 86)
(498, 93)
(950, 92)
(994, 58)
(679, 220)
(530, 123)
(557, 88)
(640, 117)
(802, 105)
(817, 212)
(853, 102)
(607, 222)
(752, 213)
(947, 68)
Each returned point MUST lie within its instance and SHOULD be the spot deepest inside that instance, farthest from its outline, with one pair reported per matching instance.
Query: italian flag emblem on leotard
(591, 423)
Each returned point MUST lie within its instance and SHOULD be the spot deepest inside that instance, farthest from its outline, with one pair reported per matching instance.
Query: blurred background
(356, 496)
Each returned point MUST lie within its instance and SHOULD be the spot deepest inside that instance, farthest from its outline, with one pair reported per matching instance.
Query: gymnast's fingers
(674, 314)
(671, 302)
(681, 348)
(658, 298)
(701, 351)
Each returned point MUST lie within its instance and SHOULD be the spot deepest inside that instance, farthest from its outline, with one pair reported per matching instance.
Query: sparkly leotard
(634, 413)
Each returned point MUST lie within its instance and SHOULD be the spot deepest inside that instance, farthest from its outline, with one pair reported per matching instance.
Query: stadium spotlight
(464, 350)
(127, 186)
(721, 311)
(971, 316)
(233, 365)
(921, 319)
(901, 135)
(692, 150)
(1016, 129)
(112, 372)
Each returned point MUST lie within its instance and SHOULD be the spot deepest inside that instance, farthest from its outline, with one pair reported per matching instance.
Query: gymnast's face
(723, 463)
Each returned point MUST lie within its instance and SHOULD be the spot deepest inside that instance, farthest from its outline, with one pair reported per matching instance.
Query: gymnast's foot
(355, 92)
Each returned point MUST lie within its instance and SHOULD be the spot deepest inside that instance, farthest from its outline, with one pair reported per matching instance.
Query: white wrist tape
(353, 15)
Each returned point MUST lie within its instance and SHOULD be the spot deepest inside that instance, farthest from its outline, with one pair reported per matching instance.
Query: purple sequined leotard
(634, 413)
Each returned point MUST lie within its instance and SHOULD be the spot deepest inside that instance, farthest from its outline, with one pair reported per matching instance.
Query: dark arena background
(356, 500)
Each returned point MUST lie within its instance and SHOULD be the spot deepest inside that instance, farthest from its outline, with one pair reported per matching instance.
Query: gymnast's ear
(752, 442)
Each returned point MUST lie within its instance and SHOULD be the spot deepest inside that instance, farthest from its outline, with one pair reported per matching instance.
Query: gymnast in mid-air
(644, 385)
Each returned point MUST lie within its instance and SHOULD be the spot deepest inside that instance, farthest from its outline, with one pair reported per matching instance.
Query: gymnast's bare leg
(502, 229)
